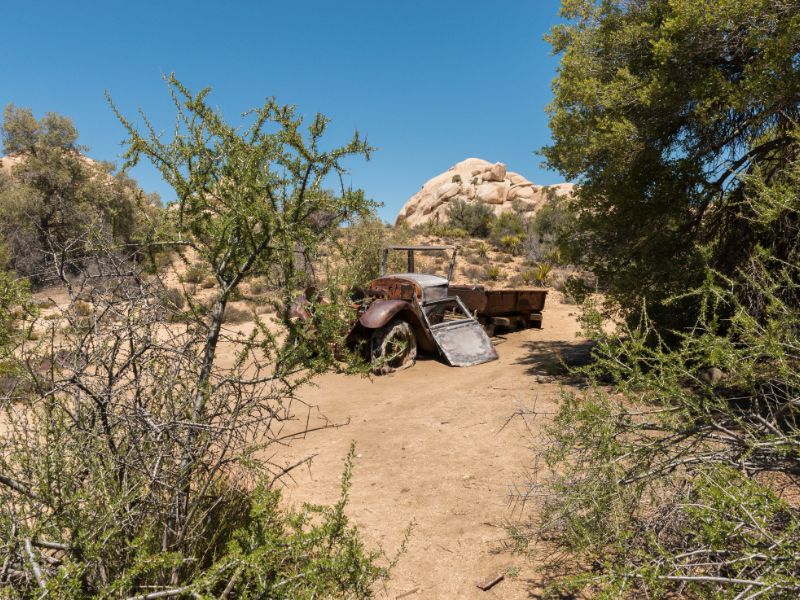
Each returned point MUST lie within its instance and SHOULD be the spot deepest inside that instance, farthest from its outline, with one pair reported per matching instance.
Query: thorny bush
(133, 461)
(676, 472)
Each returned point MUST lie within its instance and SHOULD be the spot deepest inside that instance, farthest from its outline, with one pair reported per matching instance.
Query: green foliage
(128, 446)
(662, 112)
(57, 201)
(511, 243)
(195, 273)
(494, 272)
(259, 549)
(475, 218)
(16, 307)
(666, 481)
(508, 232)
(541, 273)
(357, 260)
(551, 231)
(21, 131)
(311, 553)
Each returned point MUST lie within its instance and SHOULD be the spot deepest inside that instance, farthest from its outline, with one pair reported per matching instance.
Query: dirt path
(433, 446)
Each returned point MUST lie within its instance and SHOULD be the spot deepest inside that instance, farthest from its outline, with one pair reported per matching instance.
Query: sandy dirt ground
(435, 446)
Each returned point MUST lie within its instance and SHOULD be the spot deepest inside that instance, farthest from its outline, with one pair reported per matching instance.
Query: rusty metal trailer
(506, 309)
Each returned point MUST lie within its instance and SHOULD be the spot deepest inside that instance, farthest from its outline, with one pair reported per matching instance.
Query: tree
(21, 131)
(663, 112)
(54, 194)
(133, 463)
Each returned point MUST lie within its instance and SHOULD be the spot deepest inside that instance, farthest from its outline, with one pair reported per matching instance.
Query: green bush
(135, 459)
(509, 226)
(494, 272)
(475, 218)
(511, 243)
(195, 273)
(663, 475)
(55, 201)
(541, 273)
(359, 251)
(527, 276)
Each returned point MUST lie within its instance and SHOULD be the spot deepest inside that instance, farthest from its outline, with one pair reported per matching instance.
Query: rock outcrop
(475, 180)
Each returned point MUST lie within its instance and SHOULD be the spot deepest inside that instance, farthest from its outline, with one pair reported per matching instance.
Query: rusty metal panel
(381, 312)
(460, 338)
(474, 296)
(464, 343)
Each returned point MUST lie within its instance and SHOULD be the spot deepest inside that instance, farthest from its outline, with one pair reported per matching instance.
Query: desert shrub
(575, 288)
(527, 276)
(174, 298)
(55, 197)
(208, 283)
(494, 272)
(83, 308)
(133, 461)
(16, 309)
(454, 232)
(510, 226)
(476, 218)
(550, 232)
(541, 273)
(664, 475)
(483, 250)
(520, 206)
(195, 273)
(45, 304)
(511, 243)
(357, 258)
(237, 314)
(258, 286)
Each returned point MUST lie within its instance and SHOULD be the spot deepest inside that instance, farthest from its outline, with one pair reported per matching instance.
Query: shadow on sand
(554, 358)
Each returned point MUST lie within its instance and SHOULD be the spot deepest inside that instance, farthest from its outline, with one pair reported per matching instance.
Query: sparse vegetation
(494, 272)
(195, 273)
(130, 462)
(236, 314)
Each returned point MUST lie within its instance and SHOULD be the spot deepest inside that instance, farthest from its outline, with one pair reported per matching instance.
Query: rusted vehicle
(407, 312)
(503, 309)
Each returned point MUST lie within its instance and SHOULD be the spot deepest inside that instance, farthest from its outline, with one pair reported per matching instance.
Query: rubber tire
(382, 339)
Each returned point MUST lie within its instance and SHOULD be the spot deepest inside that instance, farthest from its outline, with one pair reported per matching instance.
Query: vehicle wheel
(393, 347)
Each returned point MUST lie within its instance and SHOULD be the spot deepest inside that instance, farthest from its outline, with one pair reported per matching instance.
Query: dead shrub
(236, 314)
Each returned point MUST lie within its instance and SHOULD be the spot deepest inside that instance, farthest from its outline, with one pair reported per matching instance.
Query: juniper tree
(660, 108)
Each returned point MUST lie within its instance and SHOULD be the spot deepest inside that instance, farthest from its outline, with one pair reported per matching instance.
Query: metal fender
(381, 312)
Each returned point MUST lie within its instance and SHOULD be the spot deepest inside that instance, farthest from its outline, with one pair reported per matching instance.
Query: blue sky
(429, 83)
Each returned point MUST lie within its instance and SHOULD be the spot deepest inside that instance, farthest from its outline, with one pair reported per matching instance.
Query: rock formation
(475, 180)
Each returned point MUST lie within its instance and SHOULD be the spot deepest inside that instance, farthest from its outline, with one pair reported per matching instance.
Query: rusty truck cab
(418, 310)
